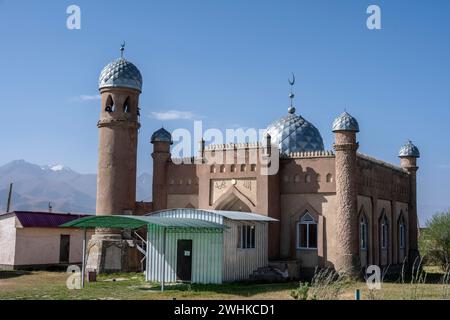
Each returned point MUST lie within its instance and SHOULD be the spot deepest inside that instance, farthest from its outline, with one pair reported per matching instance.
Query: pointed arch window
(363, 227)
(384, 232)
(126, 106)
(402, 232)
(109, 107)
(307, 232)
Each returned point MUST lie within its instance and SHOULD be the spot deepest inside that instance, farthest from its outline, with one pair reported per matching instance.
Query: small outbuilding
(35, 240)
(194, 245)
(209, 257)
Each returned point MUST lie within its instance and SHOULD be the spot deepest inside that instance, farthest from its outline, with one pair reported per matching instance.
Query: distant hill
(68, 191)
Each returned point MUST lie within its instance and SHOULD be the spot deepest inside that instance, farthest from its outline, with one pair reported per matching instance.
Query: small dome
(161, 135)
(293, 133)
(345, 122)
(409, 150)
(120, 73)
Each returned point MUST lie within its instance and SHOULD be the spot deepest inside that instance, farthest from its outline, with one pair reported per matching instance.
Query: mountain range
(34, 186)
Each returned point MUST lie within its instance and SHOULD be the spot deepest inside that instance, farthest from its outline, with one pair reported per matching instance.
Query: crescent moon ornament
(292, 81)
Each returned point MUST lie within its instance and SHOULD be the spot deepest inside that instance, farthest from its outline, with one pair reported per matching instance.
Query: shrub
(435, 240)
(301, 293)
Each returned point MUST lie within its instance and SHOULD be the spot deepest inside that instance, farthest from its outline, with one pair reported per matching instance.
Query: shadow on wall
(303, 190)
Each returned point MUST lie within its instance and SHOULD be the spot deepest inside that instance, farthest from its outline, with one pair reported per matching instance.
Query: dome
(161, 135)
(120, 73)
(293, 133)
(409, 150)
(345, 122)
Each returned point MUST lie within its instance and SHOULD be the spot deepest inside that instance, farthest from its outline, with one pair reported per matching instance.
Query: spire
(291, 109)
(122, 49)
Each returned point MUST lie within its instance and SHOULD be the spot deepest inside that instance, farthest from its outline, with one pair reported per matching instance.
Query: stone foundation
(110, 253)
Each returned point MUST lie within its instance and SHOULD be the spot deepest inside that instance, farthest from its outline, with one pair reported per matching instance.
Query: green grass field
(52, 285)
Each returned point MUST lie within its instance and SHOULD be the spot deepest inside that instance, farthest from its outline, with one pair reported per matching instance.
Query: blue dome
(161, 135)
(409, 150)
(120, 73)
(345, 122)
(293, 133)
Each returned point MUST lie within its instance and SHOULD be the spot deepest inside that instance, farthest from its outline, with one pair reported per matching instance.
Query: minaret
(120, 85)
(345, 128)
(408, 155)
(161, 140)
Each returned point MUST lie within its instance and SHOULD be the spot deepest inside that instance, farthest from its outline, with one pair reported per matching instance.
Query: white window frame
(308, 222)
(242, 229)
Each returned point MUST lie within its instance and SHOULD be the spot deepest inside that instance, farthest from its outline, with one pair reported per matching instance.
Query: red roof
(30, 219)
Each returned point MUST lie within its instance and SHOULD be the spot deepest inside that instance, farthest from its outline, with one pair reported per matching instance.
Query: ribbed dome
(161, 135)
(345, 122)
(120, 73)
(293, 133)
(409, 150)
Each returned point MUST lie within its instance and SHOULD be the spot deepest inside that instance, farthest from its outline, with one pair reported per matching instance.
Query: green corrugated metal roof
(134, 222)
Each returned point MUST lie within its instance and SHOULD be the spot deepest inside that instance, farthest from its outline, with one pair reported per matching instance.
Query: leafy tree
(435, 240)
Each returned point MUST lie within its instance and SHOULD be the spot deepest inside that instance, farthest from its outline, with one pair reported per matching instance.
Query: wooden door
(64, 248)
(184, 260)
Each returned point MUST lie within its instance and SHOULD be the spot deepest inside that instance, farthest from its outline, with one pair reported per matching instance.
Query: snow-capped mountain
(67, 190)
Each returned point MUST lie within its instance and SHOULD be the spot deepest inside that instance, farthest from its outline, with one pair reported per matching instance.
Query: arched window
(307, 232)
(253, 167)
(401, 232)
(307, 178)
(363, 232)
(233, 168)
(318, 178)
(222, 168)
(384, 232)
(109, 107)
(296, 178)
(329, 178)
(126, 106)
(243, 167)
(213, 169)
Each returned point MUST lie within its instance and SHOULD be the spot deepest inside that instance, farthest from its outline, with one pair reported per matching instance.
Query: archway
(233, 203)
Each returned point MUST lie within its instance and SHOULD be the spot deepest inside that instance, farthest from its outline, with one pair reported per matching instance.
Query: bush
(435, 240)
(301, 293)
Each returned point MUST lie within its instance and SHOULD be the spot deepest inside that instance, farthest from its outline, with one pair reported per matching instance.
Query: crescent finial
(292, 81)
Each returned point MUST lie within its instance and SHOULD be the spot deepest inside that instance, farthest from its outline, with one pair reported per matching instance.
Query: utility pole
(8, 206)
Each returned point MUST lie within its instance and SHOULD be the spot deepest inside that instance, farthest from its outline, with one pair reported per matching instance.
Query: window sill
(306, 249)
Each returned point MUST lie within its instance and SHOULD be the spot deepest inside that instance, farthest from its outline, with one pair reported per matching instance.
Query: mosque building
(333, 208)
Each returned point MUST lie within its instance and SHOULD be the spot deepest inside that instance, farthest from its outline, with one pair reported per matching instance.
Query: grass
(52, 285)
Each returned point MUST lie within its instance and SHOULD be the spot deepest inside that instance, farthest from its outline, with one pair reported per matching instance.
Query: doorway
(184, 260)
(64, 248)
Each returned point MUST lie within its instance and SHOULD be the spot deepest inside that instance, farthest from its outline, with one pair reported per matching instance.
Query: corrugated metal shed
(30, 219)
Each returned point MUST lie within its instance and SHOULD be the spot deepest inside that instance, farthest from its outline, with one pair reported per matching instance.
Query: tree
(435, 239)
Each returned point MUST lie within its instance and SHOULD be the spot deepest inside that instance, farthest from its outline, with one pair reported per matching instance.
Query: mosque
(333, 208)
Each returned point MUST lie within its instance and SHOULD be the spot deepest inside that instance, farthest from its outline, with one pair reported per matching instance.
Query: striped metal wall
(215, 256)
(206, 255)
(239, 264)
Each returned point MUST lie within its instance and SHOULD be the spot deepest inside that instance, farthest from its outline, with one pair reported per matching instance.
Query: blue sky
(227, 62)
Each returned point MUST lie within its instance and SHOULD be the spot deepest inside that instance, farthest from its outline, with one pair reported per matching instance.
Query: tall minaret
(408, 160)
(345, 128)
(161, 140)
(120, 85)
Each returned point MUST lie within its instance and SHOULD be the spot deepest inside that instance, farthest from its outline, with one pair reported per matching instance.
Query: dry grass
(52, 285)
